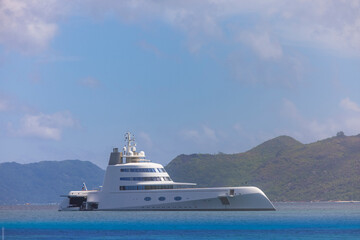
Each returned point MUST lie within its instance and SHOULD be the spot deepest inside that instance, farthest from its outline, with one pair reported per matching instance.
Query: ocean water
(291, 221)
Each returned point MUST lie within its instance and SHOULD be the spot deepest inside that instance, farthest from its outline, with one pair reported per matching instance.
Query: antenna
(84, 188)
(130, 143)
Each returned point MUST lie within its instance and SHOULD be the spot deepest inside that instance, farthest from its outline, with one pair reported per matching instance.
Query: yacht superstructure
(134, 183)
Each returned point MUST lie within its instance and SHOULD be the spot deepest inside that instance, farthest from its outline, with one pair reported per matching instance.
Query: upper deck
(130, 170)
(129, 153)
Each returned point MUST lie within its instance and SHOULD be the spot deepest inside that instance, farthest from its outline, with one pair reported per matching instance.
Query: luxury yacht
(133, 183)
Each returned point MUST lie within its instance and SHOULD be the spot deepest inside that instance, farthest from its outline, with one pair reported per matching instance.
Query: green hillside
(285, 169)
(44, 182)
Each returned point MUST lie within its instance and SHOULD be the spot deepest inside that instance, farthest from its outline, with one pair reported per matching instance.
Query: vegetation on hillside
(44, 182)
(285, 169)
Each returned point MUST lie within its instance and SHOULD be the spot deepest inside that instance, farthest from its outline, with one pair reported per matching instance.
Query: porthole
(177, 198)
(161, 198)
(147, 198)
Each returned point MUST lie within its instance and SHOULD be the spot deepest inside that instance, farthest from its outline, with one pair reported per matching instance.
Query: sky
(183, 76)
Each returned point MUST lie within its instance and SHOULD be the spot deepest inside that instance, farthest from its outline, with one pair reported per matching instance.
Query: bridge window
(145, 179)
(145, 187)
(137, 170)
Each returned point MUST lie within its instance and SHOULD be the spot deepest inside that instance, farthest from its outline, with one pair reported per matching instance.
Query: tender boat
(133, 183)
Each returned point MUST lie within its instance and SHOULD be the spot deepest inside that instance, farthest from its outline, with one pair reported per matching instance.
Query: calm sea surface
(290, 221)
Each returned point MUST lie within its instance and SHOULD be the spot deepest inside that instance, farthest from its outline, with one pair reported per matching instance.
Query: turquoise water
(290, 221)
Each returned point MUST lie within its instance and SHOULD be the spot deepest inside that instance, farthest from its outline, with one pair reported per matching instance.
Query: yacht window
(161, 170)
(147, 198)
(125, 178)
(161, 198)
(142, 178)
(145, 187)
(137, 170)
(177, 198)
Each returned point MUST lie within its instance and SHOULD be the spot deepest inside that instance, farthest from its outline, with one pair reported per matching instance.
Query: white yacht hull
(197, 199)
(133, 183)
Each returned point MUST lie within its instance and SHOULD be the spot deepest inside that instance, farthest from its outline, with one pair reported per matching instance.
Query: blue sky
(183, 76)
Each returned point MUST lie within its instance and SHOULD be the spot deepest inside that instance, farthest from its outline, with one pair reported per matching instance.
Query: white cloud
(204, 135)
(351, 118)
(313, 129)
(326, 24)
(352, 124)
(290, 110)
(286, 71)
(307, 129)
(90, 82)
(4, 105)
(265, 47)
(146, 139)
(28, 25)
(190, 134)
(151, 48)
(47, 126)
(347, 104)
(209, 133)
(273, 29)
(238, 128)
(331, 24)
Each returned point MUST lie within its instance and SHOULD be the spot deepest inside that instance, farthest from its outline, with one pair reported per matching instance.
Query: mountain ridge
(44, 182)
(284, 168)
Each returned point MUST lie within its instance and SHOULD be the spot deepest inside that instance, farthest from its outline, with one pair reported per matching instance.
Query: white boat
(133, 183)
